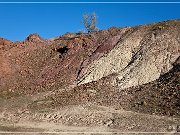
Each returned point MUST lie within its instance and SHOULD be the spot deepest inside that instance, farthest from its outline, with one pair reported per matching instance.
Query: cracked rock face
(141, 57)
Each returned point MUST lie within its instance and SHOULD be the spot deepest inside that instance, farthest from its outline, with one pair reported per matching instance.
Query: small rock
(178, 128)
(108, 123)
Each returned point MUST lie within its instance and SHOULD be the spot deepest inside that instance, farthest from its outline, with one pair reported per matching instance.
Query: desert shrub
(90, 21)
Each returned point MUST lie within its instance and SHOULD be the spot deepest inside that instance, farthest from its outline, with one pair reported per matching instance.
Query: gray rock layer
(148, 52)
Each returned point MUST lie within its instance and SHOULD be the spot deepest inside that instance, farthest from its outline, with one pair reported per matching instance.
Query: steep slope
(141, 57)
(120, 79)
(99, 106)
(42, 65)
(137, 54)
(160, 97)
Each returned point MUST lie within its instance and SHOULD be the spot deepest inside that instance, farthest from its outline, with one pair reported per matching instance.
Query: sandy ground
(89, 119)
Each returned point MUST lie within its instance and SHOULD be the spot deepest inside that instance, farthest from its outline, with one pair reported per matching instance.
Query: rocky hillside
(125, 72)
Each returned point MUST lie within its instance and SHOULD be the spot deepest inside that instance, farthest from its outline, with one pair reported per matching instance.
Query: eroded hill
(111, 80)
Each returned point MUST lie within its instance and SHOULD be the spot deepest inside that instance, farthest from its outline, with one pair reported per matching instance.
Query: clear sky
(17, 21)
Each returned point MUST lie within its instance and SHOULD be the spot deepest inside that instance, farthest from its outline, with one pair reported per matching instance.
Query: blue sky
(17, 21)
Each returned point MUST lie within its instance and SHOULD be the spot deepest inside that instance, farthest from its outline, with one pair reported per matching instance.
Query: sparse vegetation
(90, 21)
